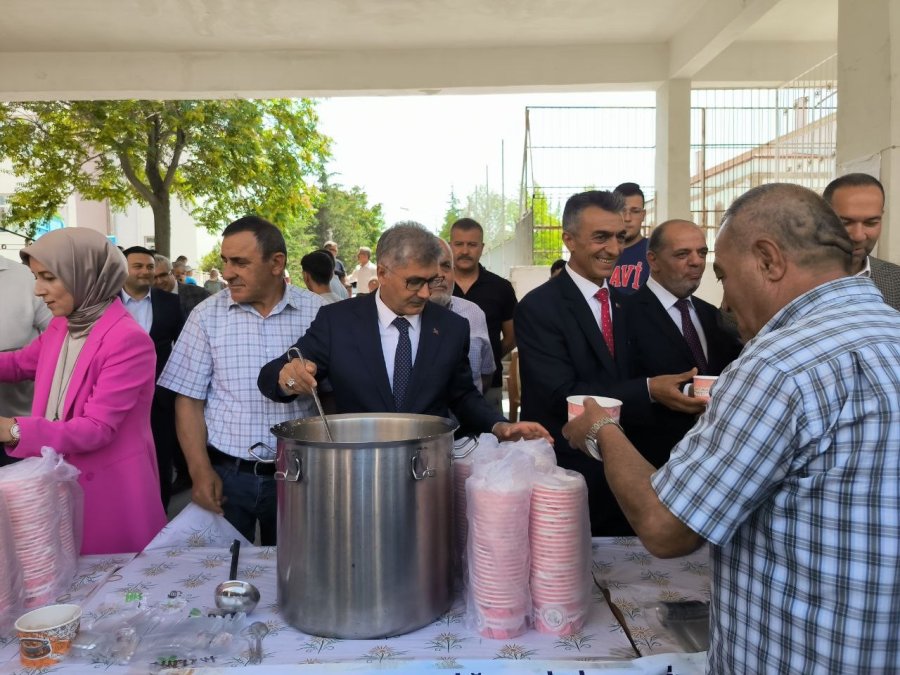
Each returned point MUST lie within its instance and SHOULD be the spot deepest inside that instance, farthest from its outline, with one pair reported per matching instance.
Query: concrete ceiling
(100, 48)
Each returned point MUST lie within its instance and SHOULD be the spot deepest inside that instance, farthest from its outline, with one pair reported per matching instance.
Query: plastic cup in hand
(612, 406)
(702, 385)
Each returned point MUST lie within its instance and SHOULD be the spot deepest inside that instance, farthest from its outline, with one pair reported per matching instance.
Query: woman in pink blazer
(93, 370)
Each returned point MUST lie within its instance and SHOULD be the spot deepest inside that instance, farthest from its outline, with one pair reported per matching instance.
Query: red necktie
(606, 320)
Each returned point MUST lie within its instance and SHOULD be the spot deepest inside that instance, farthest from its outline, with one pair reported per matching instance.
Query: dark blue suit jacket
(657, 347)
(168, 320)
(562, 353)
(344, 343)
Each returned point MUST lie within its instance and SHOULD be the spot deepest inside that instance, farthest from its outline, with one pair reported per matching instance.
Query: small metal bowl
(237, 596)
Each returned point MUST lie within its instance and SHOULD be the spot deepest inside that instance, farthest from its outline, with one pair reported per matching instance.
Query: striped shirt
(793, 473)
(481, 356)
(219, 355)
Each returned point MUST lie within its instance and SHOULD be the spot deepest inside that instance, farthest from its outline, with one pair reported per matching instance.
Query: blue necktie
(402, 361)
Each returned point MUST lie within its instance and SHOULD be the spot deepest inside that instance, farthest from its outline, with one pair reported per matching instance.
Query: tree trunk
(162, 225)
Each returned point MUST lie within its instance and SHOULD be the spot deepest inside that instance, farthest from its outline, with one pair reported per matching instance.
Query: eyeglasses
(415, 283)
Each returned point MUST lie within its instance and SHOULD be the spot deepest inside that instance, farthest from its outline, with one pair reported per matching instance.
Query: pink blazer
(105, 426)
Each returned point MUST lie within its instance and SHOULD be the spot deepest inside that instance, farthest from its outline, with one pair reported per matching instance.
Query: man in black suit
(392, 350)
(165, 280)
(161, 316)
(669, 330)
(572, 340)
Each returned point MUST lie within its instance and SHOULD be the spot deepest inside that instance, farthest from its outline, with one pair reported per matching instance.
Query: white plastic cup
(702, 385)
(612, 406)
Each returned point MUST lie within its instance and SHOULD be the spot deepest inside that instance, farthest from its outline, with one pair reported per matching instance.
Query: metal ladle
(294, 353)
(233, 595)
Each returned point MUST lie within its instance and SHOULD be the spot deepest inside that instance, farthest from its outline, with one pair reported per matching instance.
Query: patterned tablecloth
(182, 566)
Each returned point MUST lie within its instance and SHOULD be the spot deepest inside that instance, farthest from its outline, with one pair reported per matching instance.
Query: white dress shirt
(668, 302)
(589, 290)
(390, 335)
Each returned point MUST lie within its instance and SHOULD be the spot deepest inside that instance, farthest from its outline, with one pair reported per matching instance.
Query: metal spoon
(294, 353)
(257, 630)
(233, 595)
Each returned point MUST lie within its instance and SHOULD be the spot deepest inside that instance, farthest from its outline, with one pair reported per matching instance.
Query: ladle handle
(235, 552)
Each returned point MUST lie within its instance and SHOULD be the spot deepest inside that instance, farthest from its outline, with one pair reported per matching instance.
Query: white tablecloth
(190, 557)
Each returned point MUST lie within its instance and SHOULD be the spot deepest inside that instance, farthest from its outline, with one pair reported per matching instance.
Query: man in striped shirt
(793, 472)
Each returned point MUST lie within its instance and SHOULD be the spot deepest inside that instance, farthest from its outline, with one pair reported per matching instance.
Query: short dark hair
(466, 225)
(851, 180)
(269, 239)
(630, 190)
(613, 202)
(320, 266)
(799, 220)
(139, 249)
(557, 265)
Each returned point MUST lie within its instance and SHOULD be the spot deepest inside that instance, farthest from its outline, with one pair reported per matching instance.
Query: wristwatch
(590, 439)
(15, 432)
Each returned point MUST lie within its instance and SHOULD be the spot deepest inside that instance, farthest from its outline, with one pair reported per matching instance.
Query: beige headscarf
(89, 266)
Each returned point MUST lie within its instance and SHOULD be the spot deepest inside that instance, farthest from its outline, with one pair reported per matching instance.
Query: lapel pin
(436, 332)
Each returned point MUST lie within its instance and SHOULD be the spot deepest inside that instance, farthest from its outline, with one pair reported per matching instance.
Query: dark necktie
(606, 321)
(690, 335)
(402, 361)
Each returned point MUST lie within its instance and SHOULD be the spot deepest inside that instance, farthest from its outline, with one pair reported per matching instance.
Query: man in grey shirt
(25, 316)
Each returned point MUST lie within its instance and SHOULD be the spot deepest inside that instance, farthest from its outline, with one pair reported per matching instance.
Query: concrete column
(868, 115)
(673, 150)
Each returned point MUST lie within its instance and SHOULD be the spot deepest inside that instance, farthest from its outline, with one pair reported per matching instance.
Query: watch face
(14, 432)
(592, 448)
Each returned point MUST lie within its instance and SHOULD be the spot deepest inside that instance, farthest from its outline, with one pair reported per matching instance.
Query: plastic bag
(498, 495)
(12, 590)
(43, 501)
(560, 539)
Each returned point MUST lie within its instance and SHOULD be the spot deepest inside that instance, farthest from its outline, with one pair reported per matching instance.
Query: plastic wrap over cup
(498, 496)
(560, 539)
(12, 590)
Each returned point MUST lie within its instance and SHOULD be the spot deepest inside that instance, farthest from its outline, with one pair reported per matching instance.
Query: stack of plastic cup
(462, 469)
(34, 514)
(12, 595)
(560, 552)
(498, 560)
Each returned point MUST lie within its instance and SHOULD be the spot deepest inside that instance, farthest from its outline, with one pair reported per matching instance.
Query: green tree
(220, 159)
(496, 214)
(343, 215)
(548, 243)
(452, 214)
(213, 259)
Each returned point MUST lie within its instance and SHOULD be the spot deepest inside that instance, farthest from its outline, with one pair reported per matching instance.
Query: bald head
(800, 222)
(776, 243)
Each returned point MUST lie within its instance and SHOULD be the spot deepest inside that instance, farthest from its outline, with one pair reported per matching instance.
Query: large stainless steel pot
(364, 523)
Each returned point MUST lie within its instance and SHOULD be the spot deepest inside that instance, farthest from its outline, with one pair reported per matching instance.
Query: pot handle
(462, 451)
(295, 471)
(413, 464)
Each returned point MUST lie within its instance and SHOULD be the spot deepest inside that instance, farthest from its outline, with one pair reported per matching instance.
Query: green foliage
(497, 215)
(344, 216)
(220, 159)
(548, 243)
(452, 214)
(213, 259)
